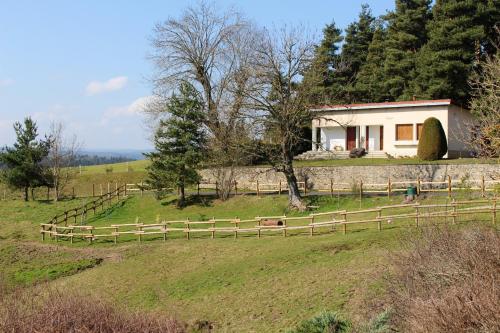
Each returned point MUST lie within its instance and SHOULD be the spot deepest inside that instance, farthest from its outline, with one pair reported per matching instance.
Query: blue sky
(83, 62)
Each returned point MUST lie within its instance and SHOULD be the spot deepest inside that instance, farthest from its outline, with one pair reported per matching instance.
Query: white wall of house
(451, 117)
(333, 136)
(373, 137)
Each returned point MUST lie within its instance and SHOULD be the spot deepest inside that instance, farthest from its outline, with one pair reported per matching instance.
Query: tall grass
(447, 280)
(26, 310)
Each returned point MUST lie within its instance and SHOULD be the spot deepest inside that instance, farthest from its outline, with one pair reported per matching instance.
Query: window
(419, 130)
(404, 132)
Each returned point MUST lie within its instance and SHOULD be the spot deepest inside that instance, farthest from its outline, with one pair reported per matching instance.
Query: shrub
(26, 311)
(325, 322)
(432, 143)
(446, 280)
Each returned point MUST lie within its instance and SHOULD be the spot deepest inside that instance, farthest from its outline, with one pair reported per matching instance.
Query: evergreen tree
(459, 34)
(405, 36)
(23, 161)
(179, 143)
(432, 144)
(369, 86)
(358, 37)
(318, 77)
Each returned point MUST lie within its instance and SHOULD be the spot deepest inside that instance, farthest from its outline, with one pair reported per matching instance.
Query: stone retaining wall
(319, 177)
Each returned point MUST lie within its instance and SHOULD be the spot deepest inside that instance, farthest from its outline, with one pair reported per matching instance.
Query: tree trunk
(32, 194)
(294, 197)
(182, 197)
(26, 194)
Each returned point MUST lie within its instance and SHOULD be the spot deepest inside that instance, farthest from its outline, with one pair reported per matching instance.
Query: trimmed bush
(432, 143)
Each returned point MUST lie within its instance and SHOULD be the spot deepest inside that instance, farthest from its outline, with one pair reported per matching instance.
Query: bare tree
(61, 158)
(278, 100)
(485, 106)
(213, 52)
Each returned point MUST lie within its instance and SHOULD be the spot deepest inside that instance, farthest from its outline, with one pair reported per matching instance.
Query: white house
(390, 128)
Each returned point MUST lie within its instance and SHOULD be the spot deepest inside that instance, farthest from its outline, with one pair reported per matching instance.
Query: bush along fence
(99, 204)
(383, 217)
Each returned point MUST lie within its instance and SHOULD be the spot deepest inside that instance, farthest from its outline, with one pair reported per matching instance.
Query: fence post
(449, 186)
(279, 191)
(331, 187)
(311, 230)
(494, 211)
(142, 189)
(235, 187)
(125, 189)
(418, 185)
(100, 186)
(344, 215)
(389, 187)
(216, 188)
(454, 219)
(305, 186)
(483, 189)
(379, 218)
(258, 188)
(74, 192)
(416, 216)
(188, 227)
(93, 190)
(198, 188)
(360, 189)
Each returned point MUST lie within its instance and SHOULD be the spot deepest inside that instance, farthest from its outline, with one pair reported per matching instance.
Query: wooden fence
(359, 187)
(415, 213)
(101, 203)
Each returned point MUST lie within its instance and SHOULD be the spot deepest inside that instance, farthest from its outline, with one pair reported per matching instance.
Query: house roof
(383, 105)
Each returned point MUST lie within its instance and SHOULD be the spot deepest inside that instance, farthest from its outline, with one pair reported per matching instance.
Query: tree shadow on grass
(192, 200)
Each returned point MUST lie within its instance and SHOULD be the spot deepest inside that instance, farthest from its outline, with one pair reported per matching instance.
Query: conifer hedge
(432, 143)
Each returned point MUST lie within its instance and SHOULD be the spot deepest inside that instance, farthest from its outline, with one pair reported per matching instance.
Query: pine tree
(23, 161)
(179, 143)
(369, 86)
(318, 77)
(459, 34)
(358, 37)
(405, 36)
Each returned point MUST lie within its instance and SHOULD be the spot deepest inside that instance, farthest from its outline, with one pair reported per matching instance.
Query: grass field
(244, 285)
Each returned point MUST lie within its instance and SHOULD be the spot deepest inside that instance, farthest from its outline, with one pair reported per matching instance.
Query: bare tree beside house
(485, 106)
(278, 100)
(61, 158)
(211, 51)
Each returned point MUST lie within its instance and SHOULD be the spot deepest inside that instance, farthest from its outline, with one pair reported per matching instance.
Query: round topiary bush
(432, 144)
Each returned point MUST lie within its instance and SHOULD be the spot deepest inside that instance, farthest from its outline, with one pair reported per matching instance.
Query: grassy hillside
(247, 285)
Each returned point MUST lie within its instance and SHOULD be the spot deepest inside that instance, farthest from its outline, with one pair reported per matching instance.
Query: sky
(84, 62)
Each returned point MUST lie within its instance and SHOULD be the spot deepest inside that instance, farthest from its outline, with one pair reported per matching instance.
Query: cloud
(6, 82)
(133, 109)
(113, 84)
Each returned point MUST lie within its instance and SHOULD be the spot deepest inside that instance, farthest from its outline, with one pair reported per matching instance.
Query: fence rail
(281, 224)
(101, 202)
